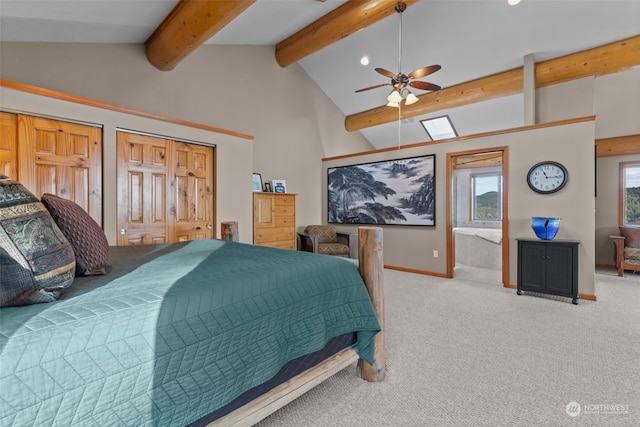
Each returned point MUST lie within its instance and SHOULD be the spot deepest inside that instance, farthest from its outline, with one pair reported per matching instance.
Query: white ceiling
(468, 38)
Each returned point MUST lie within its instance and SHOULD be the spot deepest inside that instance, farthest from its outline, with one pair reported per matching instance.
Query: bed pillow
(85, 235)
(37, 261)
(631, 236)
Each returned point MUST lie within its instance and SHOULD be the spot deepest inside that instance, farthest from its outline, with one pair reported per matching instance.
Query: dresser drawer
(285, 210)
(274, 234)
(287, 200)
(288, 244)
(286, 221)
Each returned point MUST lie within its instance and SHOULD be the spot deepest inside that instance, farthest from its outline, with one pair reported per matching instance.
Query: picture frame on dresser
(257, 182)
(279, 185)
(267, 187)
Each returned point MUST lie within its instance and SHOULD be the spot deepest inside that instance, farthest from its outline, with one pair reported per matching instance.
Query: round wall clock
(547, 177)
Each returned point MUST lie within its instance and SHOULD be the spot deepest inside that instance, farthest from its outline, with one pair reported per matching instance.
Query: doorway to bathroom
(477, 215)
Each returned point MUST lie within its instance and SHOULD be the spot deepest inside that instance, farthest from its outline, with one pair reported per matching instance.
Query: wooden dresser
(274, 220)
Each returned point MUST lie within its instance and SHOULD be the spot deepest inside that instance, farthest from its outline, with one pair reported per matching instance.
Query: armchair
(627, 247)
(324, 239)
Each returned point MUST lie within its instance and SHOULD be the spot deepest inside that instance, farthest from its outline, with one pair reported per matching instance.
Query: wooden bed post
(371, 268)
(229, 231)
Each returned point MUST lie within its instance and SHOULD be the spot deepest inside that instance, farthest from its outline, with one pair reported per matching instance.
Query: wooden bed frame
(370, 265)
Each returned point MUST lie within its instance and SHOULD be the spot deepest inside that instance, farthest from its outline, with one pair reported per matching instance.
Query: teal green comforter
(178, 337)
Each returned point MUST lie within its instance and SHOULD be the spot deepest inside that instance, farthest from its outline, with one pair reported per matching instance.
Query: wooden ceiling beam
(343, 21)
(618, 146)
(606, 59)
(188, 26)
(483, 89)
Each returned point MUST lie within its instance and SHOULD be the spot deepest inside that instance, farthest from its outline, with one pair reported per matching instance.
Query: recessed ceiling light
(513, 2)
(364, 60)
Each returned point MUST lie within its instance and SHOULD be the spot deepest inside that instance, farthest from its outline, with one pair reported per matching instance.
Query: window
(439, 128)
(486, 197)
(630, 193)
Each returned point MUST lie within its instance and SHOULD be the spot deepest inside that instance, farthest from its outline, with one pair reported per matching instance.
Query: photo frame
(257, 182)
(267, 187)
(392, 192)
(279, 185)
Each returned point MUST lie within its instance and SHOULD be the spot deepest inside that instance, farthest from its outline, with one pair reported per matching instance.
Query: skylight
(439, 128)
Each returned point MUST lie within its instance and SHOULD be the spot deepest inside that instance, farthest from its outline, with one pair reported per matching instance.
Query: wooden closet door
(9, 145)
(143, 189)
(193, 192)
(62, 158)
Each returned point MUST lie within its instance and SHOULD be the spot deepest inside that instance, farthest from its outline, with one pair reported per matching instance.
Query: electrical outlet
(435, 254)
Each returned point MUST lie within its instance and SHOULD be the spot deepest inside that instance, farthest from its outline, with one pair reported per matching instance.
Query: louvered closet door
(62, 158)
(143, 189)
(193, 192)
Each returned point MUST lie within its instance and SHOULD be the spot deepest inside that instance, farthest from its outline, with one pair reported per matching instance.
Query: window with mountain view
(630, 192)
(487, 197)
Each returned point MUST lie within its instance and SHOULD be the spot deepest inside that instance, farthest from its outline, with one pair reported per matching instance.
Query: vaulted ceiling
(480, 44)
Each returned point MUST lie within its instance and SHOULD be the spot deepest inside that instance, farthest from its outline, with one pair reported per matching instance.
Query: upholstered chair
(627, 246)
(324, 239)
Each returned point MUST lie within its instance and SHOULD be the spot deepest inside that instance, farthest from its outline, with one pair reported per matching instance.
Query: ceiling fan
(400, 81)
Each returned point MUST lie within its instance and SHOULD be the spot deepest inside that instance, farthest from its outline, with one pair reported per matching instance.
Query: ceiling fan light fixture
(393, 104)
(411, 99)
(513, 2)
(394, 97)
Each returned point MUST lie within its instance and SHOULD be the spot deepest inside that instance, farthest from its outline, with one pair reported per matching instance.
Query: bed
(207, 332)
(175, 332)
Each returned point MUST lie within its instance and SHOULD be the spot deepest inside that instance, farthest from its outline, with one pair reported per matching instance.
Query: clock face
(547, 177)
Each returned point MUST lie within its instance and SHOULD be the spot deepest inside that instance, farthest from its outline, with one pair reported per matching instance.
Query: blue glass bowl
(545, 228)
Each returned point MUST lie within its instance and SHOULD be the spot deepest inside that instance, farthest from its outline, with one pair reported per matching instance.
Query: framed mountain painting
(398, 192)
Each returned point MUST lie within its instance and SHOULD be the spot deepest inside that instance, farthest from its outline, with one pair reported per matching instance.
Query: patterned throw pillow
(38, 259)
(85, 235)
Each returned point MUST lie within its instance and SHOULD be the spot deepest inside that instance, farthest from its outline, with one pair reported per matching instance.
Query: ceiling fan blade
(387, 73)
(424, 71)
(424, 85)
(373, 87)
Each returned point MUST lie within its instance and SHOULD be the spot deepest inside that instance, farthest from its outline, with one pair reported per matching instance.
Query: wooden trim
(598, 61)
(285, 393)
(188, 26)
(451, 166)
(618, 146)
(466, 137)
(450, 242)
(114, 107)
(350, 17)
(413, 270)
(621, 167)
(588, 297)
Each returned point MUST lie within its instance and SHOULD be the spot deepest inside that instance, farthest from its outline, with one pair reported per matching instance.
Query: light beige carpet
(467, 353)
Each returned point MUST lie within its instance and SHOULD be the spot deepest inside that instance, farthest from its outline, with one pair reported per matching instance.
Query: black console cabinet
(549, 267)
